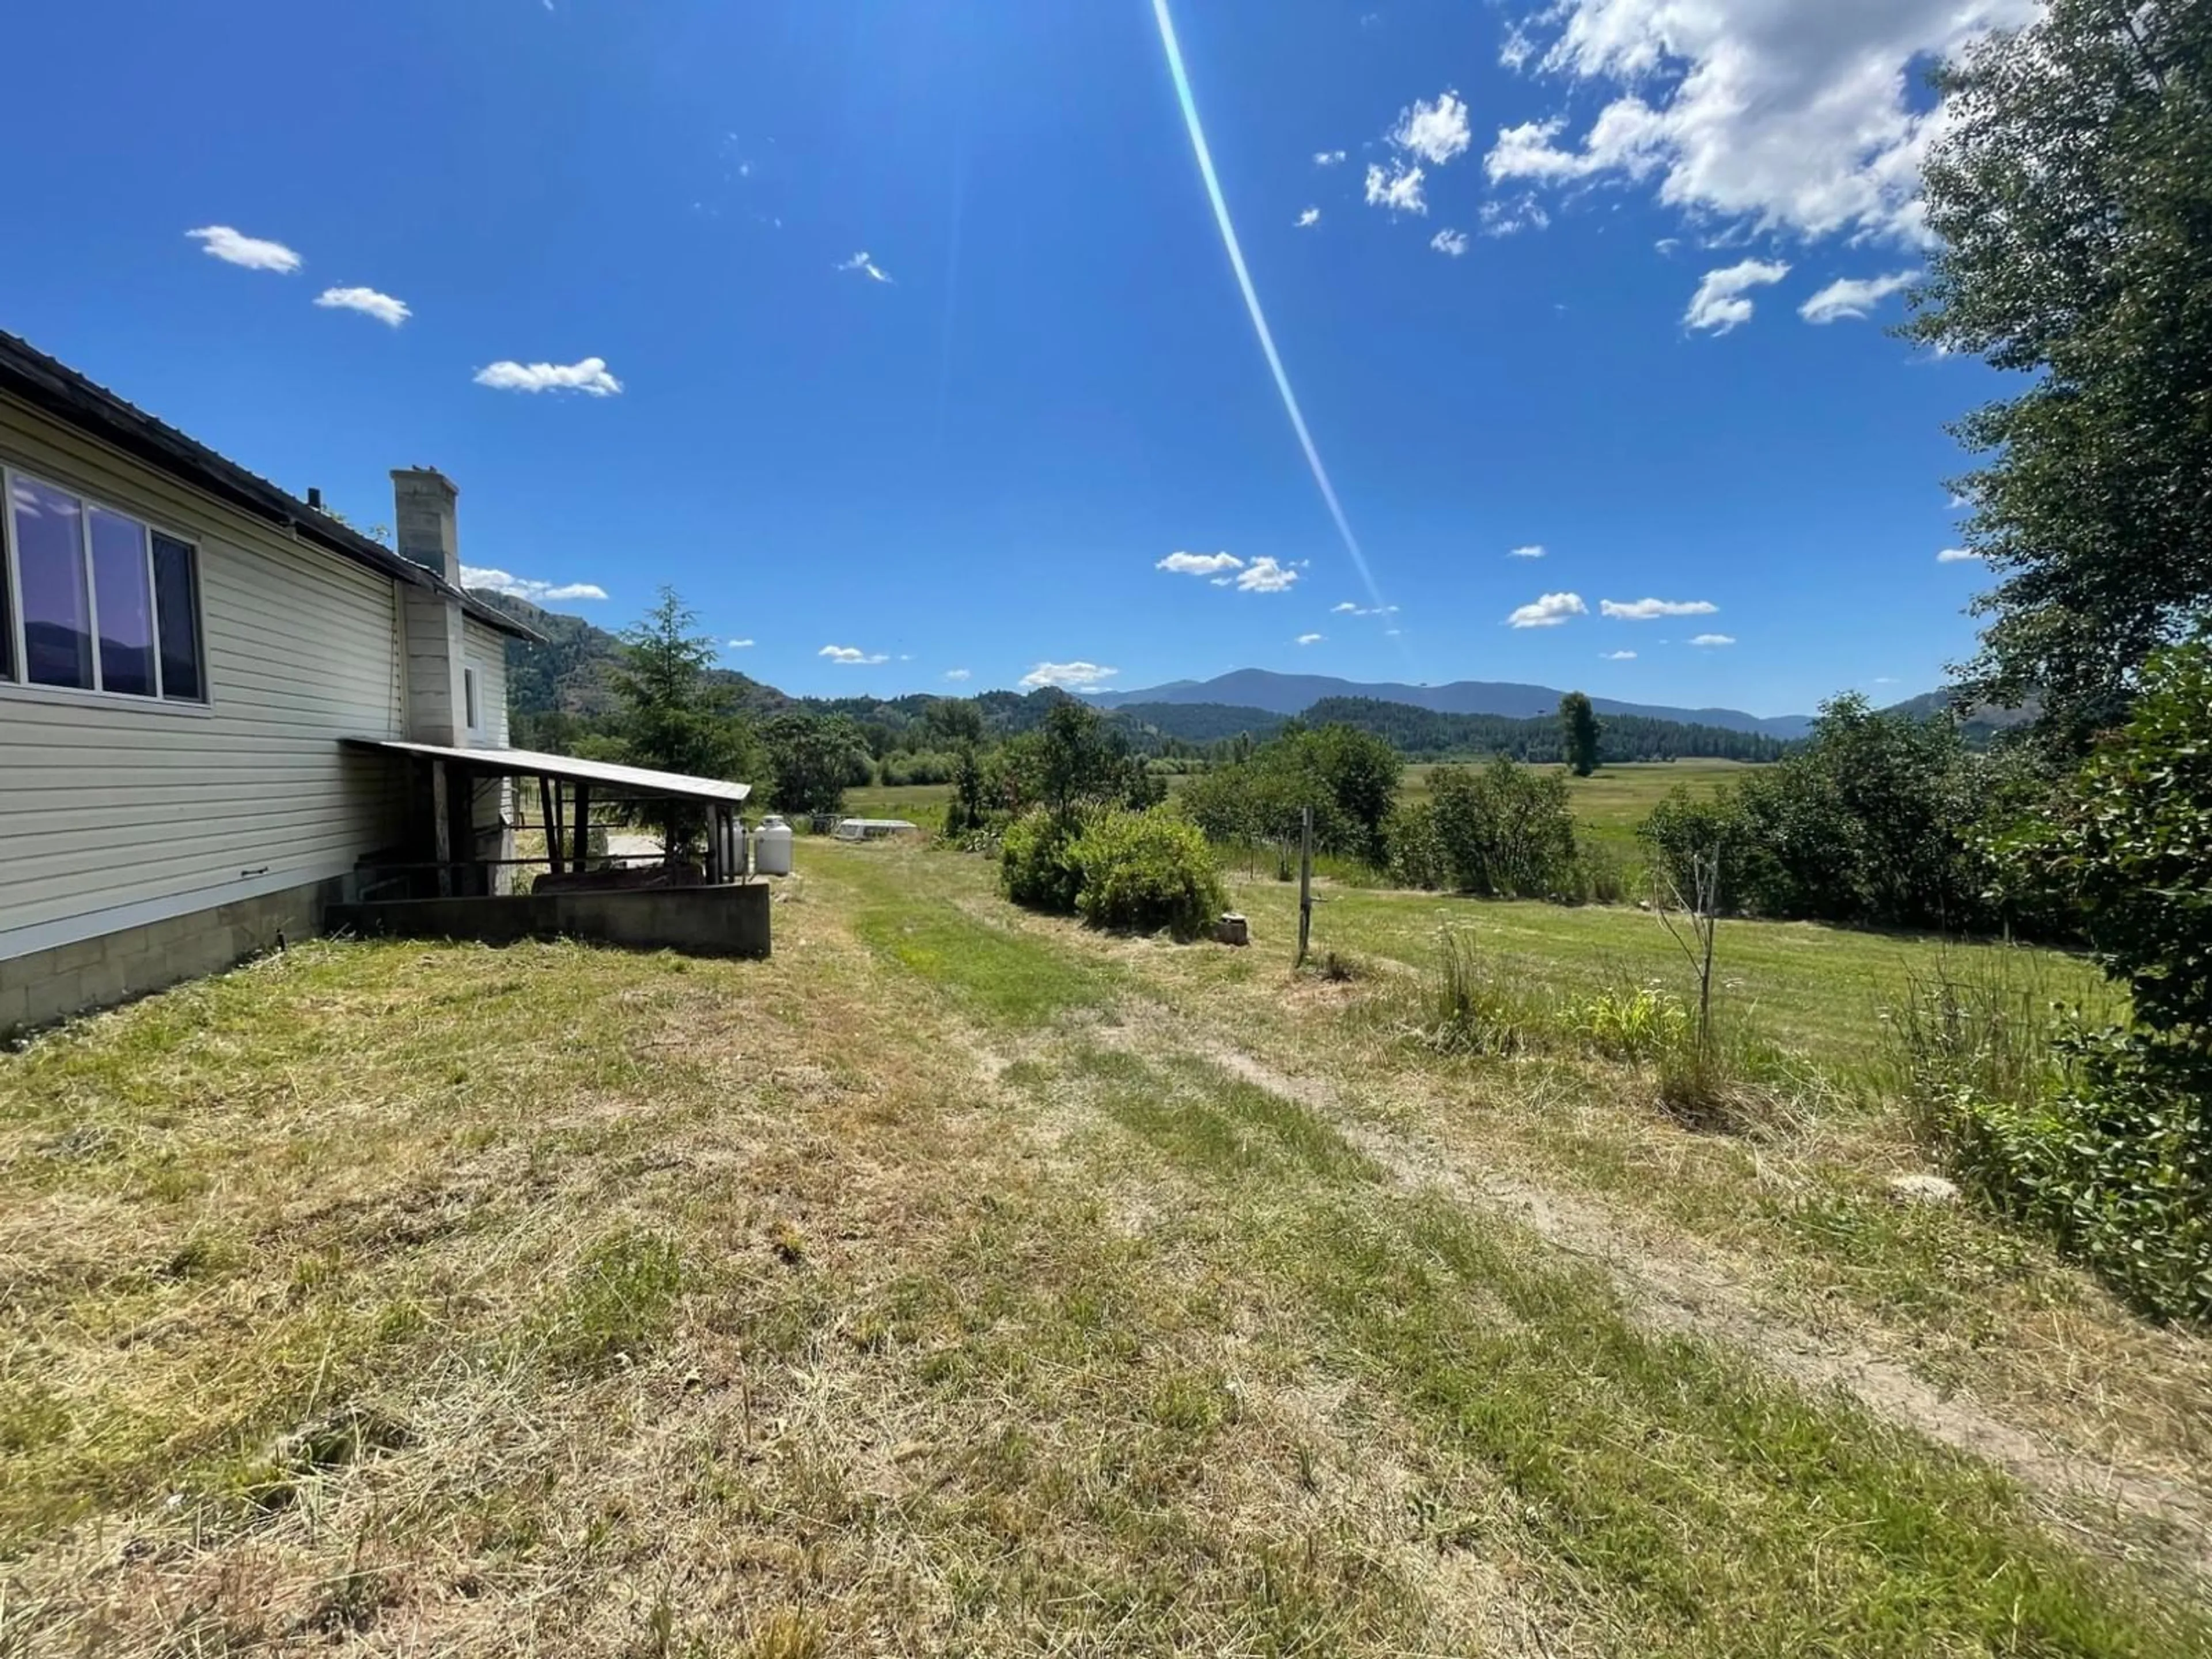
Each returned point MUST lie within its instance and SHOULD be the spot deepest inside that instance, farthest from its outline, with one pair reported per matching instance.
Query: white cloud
(1957, 555)
(525, 587)
(1509, 218)
(1713, 639)
(957, 674)
(1435, 131)
(1311, 639)
(1264, 575)
(1666, 246)
(737, 645)
(1646, 609)
(367, 301)
(1309, 219)
(1069, 675)
(861, 262)
(1398, 190)
(1767, 116)
(851, 656)
(1854, 296)
(589, 376)
(1617, 656)
(1328, 158)
(1719, 304)
(1548, 611)
(1533, 551)
(1199, 564)
(1517, 48)
(1450, 242)
(235, 248)
(1348, 609)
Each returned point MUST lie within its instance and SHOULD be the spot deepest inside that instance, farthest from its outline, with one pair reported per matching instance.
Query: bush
(1416, 852)
(1036, 864)
(1876, 819)
(1145, 872)
(1505, 832)
(2075, 1138)
(897, 770)
(2106, 1145)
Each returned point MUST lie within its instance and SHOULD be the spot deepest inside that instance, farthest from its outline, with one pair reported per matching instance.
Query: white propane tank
(772, 848)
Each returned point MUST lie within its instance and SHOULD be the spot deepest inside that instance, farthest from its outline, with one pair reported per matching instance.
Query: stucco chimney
(423, 516)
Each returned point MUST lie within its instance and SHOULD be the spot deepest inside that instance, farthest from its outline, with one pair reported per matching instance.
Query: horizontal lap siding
(107, 804)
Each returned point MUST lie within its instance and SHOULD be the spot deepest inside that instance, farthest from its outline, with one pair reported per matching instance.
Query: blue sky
(1580, 329)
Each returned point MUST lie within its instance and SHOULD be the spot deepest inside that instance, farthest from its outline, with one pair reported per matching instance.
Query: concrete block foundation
(48, 986)
(707, 922)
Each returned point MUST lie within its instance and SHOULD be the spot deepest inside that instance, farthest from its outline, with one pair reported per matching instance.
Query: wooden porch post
(550, 817)
(442, 830)
(583, 842)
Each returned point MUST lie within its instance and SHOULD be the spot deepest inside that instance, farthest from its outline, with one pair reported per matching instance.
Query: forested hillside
(1425, 734)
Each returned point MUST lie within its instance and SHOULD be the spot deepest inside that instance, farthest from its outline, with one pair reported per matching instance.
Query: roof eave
(52, 387)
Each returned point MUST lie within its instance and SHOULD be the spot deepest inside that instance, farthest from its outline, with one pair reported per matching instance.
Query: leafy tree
(1876, 818)
(814, 761)
(1504, 831)
(1579, 733)
(674, 718)
(2072, 194)
(1076, 758)
(951, 721)
(2129, 842)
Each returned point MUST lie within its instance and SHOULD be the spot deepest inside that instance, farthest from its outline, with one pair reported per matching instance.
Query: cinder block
(15, 1007)
(68, 958)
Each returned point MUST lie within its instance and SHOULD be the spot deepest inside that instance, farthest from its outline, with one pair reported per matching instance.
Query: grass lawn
(963, 1281)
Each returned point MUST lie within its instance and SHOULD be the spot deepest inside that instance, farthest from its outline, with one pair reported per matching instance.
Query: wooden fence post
(1306, 881)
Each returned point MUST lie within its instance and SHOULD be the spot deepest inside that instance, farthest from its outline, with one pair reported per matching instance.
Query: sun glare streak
(1252, 299)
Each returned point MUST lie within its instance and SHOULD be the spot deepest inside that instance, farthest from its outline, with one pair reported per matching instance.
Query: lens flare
(1252, 299)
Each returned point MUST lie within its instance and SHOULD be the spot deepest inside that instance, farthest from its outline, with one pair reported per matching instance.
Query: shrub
(1416, 852)
(1144, 871)
(898, 770)
(2108, 1144)
(1505, 832)
(1036, 864)
(1876, 819)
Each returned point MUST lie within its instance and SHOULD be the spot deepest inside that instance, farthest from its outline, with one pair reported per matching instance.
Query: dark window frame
(14, 662)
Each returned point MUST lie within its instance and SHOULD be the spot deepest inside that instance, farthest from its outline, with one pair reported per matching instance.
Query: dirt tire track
(1688, 1296)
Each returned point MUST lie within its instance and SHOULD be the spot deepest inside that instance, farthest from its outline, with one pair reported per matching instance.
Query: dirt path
(1697, 1297)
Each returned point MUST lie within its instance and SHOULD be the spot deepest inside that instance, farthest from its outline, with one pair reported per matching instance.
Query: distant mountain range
(1293, 693)
(571, 677)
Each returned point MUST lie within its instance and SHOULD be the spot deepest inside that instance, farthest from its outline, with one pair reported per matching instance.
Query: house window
(92, 599)
(468, 700)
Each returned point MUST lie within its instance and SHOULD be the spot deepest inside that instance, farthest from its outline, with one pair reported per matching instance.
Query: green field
(1610, 804)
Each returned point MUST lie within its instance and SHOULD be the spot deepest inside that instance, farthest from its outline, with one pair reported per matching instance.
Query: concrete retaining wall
(707, 922)
(50, 984)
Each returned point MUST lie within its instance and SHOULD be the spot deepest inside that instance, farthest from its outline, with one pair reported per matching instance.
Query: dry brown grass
(931, 1289)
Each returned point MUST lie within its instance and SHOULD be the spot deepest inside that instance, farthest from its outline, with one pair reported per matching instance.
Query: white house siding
(486, 651)
(111, 805)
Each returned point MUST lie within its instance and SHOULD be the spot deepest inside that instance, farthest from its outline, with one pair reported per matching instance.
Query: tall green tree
(2072, 195)
(814, 759)
(1579, 733)
(674, 718)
